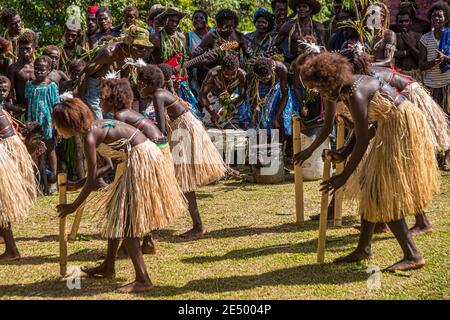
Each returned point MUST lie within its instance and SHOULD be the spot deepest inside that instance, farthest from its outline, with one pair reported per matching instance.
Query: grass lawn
(254, 250)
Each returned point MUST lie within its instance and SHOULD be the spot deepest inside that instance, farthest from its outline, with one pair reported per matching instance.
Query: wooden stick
(339, 195)
(62, 179)
(76, 224)
(323, 214)
(298, 173)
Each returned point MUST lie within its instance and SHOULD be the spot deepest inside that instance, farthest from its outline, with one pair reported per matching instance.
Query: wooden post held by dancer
(339, 195)
(62, 181)
(76, 224)
(323, 213)
(299, 202)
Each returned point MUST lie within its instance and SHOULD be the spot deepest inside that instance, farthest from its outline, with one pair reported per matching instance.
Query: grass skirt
(18, 187)
(144, 198)
(436, 117)
(196, 159)
(398, 175)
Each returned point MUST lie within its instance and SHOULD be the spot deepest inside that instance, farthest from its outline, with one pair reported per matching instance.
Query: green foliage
(48, 17)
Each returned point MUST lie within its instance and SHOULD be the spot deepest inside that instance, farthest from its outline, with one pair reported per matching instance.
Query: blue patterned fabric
(273, 98)
(185, 93)
(41, 100)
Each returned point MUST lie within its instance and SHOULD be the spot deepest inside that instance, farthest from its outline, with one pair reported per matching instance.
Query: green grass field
(254, 250)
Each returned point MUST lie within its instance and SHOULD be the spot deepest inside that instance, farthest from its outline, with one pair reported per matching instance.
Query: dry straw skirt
(398, 175)
(144, 197)
(196, 159)
(435, 115)
(18, 187)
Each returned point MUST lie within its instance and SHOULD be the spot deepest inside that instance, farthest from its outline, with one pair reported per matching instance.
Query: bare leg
(330, 213)
(148, 245)
(11, 251)
(142, 282)
(51, 154)
(364, 249)
(122, 253)
(411, 256)
(80, 158)
(422, 225)
(380, 227)
(108, 268)
(197, 230)
(447, 160)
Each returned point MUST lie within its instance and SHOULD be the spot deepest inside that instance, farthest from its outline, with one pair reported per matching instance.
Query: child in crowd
(42, 94)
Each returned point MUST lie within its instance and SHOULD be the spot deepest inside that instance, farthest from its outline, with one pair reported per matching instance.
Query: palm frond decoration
(365, 33)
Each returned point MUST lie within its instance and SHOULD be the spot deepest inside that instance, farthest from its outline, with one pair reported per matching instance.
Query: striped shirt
(433, 77)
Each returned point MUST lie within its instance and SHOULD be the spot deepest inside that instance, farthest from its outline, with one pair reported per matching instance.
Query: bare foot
(2, 240)
(99, 272)
(355, 256)
(193, 234)
(407, 264)
(135, 287)
(8, 257)
(148, 248)
(416, 230)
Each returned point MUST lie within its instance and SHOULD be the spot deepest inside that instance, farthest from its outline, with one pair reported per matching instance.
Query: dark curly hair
(166, 70)
(203, 12)
(329, 69)
(117, 94)
(152, 75)
(263, 67)
(131, 9)
(438, 6)
(44, 58)
(73, 115)
(274, 2)
(230, 62)
(270, 18)
(404, 12)
(103, 10)
(226, 14)
(48, 50)
(4, 79)
(77, 64)
(28, 37)
(359, 61)
(7, 14)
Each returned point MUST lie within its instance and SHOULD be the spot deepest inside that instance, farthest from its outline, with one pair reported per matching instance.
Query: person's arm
(204, 46)
(284, 94)
(284, 32)
(188, 47)
(12, 78)
(92, 176)
(297, 84)
(241, 88)
(330, 110)
(424, 64)
(389, 51)
(412, 44)
(244, 45)
(63, 76)
(358, 110)
(203, 96)
(160, 111)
